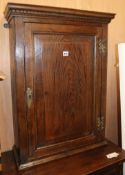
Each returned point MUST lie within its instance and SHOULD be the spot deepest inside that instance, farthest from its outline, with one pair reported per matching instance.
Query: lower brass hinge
(100, 123)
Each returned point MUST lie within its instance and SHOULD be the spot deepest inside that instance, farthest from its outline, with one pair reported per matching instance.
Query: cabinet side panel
(13, 79)
(104, 73)
(20, 89)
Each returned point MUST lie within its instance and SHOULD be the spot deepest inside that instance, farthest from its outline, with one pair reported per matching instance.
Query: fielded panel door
(63, 87)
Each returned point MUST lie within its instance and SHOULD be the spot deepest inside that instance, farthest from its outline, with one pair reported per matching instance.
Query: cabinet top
(26, 10)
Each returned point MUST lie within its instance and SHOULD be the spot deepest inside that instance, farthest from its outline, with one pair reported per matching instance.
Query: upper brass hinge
(102, 46)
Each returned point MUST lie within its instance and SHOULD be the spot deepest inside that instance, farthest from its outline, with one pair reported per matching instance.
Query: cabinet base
(92, 162)
(41, 160)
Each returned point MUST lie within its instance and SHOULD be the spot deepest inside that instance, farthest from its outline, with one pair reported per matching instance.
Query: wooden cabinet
(58, 70)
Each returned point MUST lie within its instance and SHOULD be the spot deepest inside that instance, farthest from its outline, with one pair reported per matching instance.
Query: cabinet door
(63, 81)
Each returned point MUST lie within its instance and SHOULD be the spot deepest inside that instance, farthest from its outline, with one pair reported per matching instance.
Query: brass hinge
(102, 45)
(100, 123)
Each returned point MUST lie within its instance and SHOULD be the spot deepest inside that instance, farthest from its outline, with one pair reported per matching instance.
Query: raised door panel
(61, 65)
(63, 87)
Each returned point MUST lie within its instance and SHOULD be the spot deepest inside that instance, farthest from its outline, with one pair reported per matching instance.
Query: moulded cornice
(14, 9)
